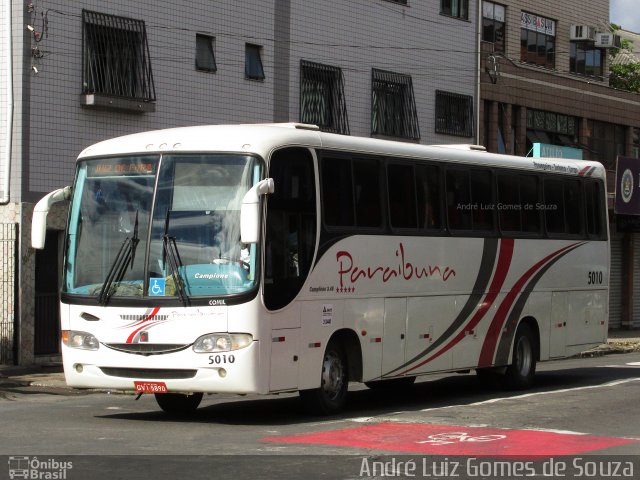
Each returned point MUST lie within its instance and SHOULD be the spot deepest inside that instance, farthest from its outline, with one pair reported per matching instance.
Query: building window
(393, 106)
(606, 141)
(322, 99)
(551, 128)
(253, 62)
(455, 8)
(116, 58)
(205, 58)
(586, 60)
(537, 40)
(454, 114)
(493, 26)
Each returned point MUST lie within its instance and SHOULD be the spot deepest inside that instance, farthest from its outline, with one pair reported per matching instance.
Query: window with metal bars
(454, 114)
(322, 99)
(116, 59)
(393, 106)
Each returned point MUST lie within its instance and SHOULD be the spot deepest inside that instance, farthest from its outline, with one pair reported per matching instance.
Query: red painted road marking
(457, 440)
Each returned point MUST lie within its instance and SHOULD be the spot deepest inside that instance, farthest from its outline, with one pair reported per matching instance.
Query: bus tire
(521, 372)
(178, 403)
(331, 396)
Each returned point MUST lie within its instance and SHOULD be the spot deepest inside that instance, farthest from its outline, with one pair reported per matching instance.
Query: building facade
(544, 90)
(74, 74)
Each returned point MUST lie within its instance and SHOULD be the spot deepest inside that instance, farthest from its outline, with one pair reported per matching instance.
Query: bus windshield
(152, 226)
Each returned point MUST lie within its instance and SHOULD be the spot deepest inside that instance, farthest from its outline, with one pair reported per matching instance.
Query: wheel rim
(332, 375)
(524, 356)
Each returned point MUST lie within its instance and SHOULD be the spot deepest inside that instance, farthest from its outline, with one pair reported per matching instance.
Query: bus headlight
(221, 342)
(83, 340)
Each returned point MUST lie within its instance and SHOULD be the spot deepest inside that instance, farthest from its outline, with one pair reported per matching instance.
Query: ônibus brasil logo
(33, 468)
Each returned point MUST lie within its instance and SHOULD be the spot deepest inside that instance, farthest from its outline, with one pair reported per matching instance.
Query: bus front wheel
(178, 403)
(331, 396)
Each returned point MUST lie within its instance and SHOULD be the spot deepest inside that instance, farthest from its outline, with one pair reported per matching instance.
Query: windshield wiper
(122, 260)
(175, 262)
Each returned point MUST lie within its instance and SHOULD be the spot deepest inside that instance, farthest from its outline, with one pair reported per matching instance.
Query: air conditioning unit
(582, 32)
(607, 40)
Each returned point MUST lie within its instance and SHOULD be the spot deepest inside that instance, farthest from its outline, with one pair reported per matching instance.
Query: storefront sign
(545, 150)
(627, 184)
(537, 23)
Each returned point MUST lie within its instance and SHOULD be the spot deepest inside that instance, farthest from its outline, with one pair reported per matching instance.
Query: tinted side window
(290, 226)
(509, 205)
(459, 204)
(402, 196)
(337, 192)
(429, 196)
(482, 198)
(366, 189)
(518, 203)
(594, 210)
(554, 206)
(573, 211)
(470, 200)
(530, 199)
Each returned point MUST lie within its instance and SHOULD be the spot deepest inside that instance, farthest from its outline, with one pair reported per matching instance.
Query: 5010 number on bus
(595, 278)
(221, 359)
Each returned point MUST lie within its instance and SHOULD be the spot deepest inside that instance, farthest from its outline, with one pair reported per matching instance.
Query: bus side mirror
(40, 211)
(250, 211)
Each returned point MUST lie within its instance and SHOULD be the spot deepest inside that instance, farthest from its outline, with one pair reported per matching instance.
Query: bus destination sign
(121, 166)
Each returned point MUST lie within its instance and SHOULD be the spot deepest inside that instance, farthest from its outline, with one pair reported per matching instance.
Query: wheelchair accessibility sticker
(157, 287)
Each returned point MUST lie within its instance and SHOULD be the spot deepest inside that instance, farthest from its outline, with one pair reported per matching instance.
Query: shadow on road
(429, 392)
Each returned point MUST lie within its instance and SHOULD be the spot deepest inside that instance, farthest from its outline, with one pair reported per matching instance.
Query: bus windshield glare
(152, 226)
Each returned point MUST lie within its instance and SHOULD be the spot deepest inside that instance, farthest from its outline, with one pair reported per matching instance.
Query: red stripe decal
(502, 268)
(583, 172)
(493, 334)
(149, 317)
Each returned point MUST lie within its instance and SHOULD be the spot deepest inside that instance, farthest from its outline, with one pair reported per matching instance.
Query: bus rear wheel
(331, 396)
(521, 372)
(178, 403)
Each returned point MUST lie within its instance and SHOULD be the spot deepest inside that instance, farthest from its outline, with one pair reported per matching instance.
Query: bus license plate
(151, 387)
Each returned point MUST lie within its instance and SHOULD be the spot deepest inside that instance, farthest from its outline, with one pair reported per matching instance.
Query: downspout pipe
(6, 183)
(478, 77)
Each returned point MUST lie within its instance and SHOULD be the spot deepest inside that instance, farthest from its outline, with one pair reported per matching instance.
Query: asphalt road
(579, 408)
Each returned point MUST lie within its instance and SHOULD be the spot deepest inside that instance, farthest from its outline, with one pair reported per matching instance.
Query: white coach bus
(278, 258)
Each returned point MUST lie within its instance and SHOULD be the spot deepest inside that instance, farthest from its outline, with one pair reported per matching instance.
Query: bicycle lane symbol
(434, 439)
(449, 438)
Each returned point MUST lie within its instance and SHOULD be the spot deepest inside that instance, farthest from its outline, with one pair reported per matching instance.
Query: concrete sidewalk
(50, 379)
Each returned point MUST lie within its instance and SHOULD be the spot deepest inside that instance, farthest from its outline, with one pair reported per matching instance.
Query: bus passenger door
(393, 341)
